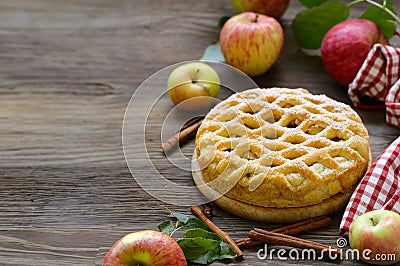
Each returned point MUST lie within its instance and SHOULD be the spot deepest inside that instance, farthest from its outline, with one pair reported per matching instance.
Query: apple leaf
(180, 217)
(213, 53)
(199, 232)
(209, 257)
(226, 251)
(192, 223)
(311, 25)
(197, 246)
(222, 251)
(311, 3)
(384, 21)
(211, 235)
(166, 227)
(387, 27)
(183, 223)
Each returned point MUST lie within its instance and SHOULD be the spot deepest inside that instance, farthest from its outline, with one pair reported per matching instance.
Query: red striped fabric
(379, 188)
(378, 79)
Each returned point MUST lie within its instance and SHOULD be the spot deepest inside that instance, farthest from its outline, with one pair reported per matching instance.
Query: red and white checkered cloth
(379, 79)
(379, 188)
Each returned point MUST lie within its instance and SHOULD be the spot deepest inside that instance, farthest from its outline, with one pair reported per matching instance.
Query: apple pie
(280, 154)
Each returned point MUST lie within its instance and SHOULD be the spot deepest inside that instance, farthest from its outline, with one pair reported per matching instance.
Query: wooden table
(67, 72)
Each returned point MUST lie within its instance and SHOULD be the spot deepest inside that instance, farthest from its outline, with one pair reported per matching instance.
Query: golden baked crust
(281, 148)
(269, 214)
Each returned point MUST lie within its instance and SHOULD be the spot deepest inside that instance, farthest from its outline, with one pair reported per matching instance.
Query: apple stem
(196, 76)
(371, 2)
(255, 19)
(373, 221)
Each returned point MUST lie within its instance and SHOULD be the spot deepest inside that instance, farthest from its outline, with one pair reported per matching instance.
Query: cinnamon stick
(183, 134)
(291, 229)
(215, 229)
(291, 241)
(304, 226)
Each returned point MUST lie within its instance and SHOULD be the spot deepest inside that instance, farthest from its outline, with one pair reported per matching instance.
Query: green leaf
(209, 257)
(197, 232)
(374, 13)
(213, 53)
(166, 227)
(180, 217)
(213, 236)
(197, 246)
(311, 3)
(226, 251)
(384, 21)
(387, 27)
(311, 25)
(223, 251)
(192, 223)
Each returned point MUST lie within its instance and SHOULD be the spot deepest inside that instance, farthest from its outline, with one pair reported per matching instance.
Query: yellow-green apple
(193, 86)
(345, 47)
(376, 235)
(145, 248)
(273, 8)
(251, 42)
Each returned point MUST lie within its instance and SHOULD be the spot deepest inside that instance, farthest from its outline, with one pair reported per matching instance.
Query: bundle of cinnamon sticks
(281, 236)
(291, 230)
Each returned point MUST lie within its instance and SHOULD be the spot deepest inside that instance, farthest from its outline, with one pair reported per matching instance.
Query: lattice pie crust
(280, 148)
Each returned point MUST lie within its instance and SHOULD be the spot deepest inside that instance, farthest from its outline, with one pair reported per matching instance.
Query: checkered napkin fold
(377, 83)
(379, 188)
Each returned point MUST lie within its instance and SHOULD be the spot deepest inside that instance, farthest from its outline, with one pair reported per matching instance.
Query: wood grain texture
(67, 72)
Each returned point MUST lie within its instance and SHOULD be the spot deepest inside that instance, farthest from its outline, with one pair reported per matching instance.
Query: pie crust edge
(271, 214)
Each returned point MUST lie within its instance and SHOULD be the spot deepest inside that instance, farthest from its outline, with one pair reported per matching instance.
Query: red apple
(273, 8)
(376, 234)
(193, 86)
(145, 248)
(345, 47)
(251, 42)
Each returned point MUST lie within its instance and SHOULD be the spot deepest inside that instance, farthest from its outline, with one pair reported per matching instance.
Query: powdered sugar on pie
(281, 147)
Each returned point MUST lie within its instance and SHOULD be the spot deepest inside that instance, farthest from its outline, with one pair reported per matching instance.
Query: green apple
(273, 8)
(376, 234)
(251, 42)
(145, 248)
(193, 86)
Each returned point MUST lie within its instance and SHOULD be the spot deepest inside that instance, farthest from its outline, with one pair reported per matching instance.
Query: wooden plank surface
(67, 72)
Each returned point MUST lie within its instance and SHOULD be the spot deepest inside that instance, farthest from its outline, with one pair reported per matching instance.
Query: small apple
(251, 42)
(376, 234)
(145, 248)
(345, 47)
(273, 8)
(193, 86)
